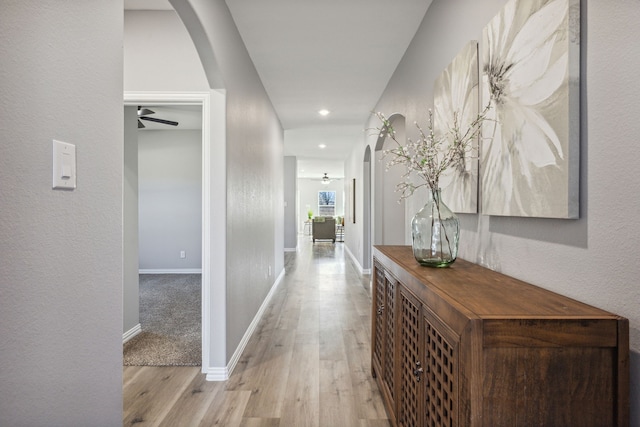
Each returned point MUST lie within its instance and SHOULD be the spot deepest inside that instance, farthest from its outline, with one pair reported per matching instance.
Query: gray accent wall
(592, 259)
(170, 200)
(61, 264)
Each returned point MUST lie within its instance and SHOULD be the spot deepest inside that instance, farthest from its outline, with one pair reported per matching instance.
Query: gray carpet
(170, 319)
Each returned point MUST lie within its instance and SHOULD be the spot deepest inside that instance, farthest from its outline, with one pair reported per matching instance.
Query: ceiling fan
(144, 112)
(325, 179)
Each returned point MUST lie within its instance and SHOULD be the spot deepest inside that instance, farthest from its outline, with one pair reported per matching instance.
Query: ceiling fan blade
(144, 111)
(165, 122)
(140, 125)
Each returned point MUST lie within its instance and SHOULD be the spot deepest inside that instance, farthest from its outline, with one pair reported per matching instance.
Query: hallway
(307, 363)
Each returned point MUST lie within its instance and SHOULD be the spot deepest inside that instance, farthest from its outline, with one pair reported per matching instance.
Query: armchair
(324, 228)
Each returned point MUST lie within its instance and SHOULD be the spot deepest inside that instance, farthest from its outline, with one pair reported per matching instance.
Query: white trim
(131, 333)
(223, 374)
(355, 261)
(291, 249)
(170, 271)
(217, 374)
(204, 100)
(206, 232)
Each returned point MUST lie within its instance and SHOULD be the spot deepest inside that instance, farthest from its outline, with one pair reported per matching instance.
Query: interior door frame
(202, 99)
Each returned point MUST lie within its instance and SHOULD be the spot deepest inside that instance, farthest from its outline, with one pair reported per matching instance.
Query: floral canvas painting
(530, 145)
(456, 94)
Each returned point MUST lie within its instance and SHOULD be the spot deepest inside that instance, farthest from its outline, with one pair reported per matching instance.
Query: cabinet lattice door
(378, 325)
(390, 330)
(411, 370)
(441, 358)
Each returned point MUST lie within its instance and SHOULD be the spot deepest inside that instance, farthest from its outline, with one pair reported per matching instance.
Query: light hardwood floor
(307, 363)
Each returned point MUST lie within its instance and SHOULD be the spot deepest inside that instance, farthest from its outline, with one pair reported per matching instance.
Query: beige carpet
(170, 319)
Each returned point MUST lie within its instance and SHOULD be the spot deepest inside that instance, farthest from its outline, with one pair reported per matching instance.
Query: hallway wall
(594, 258)
(61, 266)
(254, 163)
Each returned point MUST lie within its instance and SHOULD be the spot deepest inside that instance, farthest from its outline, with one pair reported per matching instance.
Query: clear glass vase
(435, 231)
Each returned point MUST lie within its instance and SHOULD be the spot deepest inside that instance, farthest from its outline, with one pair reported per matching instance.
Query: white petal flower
(456, 107)
(523, 70)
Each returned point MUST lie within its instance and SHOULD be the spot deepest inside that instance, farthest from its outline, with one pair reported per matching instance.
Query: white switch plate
(64, 165)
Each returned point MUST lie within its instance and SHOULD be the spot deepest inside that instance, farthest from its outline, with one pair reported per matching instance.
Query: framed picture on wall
(531, 144)
(326, 203)
(353, 200)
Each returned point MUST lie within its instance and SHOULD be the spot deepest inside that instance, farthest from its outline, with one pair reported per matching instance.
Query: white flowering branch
(430, 155)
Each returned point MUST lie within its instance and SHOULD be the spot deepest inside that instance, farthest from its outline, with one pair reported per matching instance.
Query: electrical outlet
(183, 254)
(269, 271)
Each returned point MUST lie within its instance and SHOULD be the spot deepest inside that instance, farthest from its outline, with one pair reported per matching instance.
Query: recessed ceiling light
(324, 112)
(322, 146)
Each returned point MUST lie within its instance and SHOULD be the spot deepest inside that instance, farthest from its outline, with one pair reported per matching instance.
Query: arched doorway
(389, 214)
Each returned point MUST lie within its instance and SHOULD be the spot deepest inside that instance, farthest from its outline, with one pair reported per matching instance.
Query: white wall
(594, 258)
(170, 200)
(61, 265)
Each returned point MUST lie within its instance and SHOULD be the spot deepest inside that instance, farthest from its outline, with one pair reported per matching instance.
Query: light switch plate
(64, 165)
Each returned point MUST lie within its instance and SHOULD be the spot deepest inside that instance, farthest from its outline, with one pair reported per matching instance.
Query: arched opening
(389, 213)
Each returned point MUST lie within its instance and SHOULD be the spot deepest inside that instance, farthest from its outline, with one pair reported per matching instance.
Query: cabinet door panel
(388, 369)
(377, 328)
(411, 369)
(441, 376)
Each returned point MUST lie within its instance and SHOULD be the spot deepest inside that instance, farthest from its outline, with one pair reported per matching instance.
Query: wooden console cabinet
(466, 346)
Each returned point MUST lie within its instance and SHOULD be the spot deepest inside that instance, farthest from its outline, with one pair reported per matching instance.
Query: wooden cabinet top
(482, 293)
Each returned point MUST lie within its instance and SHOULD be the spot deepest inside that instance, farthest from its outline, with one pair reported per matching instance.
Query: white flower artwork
(455, 92)
(530, 149)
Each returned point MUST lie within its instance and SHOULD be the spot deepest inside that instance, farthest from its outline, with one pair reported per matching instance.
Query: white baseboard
(217, 374)
(356, 262)
(223, 374)
(131, 333)
(170, 271)
(291, 249)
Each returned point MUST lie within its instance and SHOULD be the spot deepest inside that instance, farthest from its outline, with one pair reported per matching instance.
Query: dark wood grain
(519, 355)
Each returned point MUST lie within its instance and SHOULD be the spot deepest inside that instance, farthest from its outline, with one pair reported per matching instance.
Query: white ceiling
(310, 55)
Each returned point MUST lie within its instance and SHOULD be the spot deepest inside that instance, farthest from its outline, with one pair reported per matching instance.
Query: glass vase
(435, 231)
